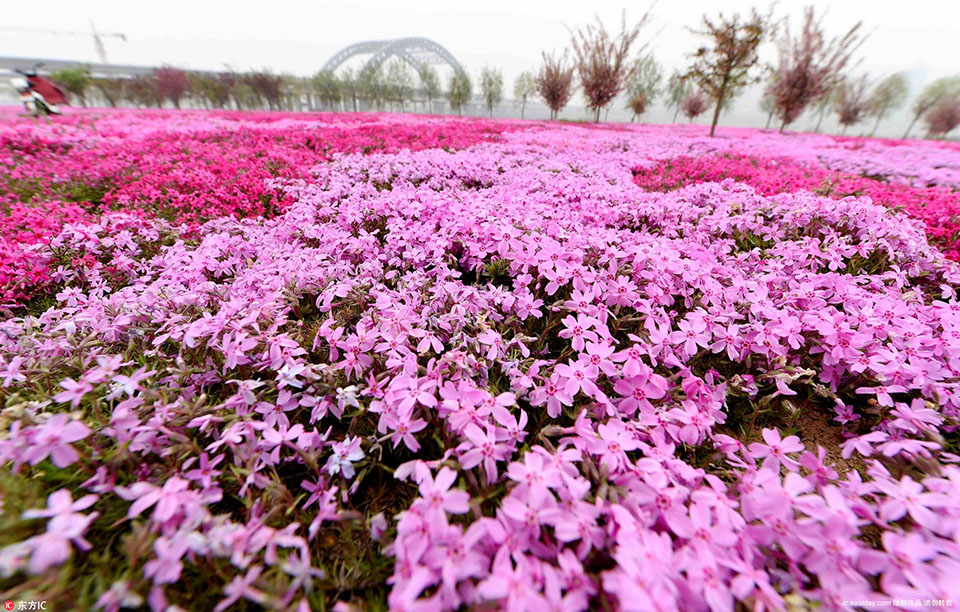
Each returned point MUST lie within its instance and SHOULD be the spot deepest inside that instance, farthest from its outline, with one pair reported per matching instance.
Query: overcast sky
(920, 36)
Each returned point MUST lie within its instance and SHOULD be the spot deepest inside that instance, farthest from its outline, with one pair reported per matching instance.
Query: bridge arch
(415, 51)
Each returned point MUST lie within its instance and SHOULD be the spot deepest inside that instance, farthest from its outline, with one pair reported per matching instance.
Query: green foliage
(491, 87)
(328, 87)
(75, 81)
(398, 82)
(429, 82)
(524, 88)
(459, 90)
(643, 85)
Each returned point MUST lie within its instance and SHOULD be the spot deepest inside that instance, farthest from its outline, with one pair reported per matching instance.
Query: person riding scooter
(39, 94)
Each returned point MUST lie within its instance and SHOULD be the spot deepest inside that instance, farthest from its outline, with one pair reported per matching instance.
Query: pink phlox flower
(60, 503)
(511, 428)
(578, 375)
(493, 340)
(883, 393)
(692, 334)
(74, 391)
(241, 587)
(482, 446)
(579, 329)
(12, 372)
(908, 496)
(66, 526)
(403, 426)
(916, 417)
(438, 496)
(345, 454)
(53, 439)
(534, 475)
(863, 444)
(773, 450)
(553, 395)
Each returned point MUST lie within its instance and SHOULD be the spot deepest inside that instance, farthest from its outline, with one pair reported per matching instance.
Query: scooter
(39, 95)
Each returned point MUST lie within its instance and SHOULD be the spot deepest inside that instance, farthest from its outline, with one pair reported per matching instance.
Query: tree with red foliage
(851, 102)
(889, 95)
(142, 91)
(724, 68)
(603, 60)
(171, 84)
(267, 86)
(943, 117)
(931, 95)
(695, 104)
(555, 82)
(809, 65)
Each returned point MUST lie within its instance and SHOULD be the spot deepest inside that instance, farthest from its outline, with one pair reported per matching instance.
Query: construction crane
(97, 36)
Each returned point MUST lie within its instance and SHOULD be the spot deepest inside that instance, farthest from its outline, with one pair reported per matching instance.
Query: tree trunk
(523, 107)
(783, 125)
(820, 119)
(716, 111)
(769, 119)
(910, 127)
(675, 113)
(877, 124)
(596, 117)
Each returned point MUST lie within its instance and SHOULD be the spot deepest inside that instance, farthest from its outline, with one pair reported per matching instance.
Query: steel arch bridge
(415, 51)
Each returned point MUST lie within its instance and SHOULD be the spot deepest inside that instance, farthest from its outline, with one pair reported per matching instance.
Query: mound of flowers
(937, 206)
(185, 168)
(503, 377)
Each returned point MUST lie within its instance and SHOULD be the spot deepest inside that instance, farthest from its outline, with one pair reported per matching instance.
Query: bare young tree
(372, 86)
(429, 83)
(171, 83)
(603, 60)
(491, 87)
(266, 86)
(398, 82)
(824, 103)
(555, 82)
(643, 86)
(889, 94)
(724, 66)
(350, 84)
(695, 104)
(524, 88)
(112, 89)
(767, 105)
(677, 91)
(851, 101)
(943, 117)
(931, 95)
(459, 90)
(809, 65)
(328, 88)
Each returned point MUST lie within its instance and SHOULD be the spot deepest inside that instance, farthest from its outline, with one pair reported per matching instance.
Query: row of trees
(169, 84)
(396, 84)
(809, 73)
(393, 84)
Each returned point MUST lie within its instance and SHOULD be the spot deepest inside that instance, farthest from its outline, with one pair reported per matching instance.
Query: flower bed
(938, 207)
(185, 168)
(504, 376)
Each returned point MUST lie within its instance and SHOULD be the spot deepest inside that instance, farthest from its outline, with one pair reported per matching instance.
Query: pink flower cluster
(582, 394)
(184, 168)
(938, 207)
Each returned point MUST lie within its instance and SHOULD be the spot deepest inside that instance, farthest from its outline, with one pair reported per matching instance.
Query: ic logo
(8, 605)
